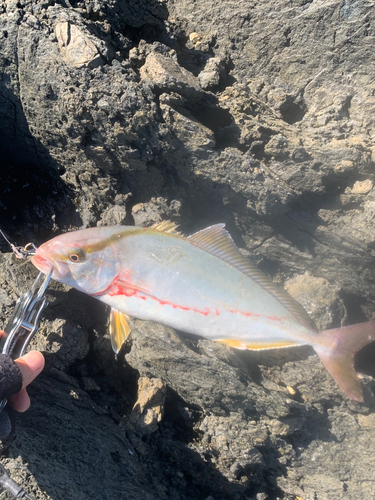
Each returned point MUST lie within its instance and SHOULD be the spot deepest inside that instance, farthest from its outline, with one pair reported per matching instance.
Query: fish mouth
(41, 263)
(45, 265)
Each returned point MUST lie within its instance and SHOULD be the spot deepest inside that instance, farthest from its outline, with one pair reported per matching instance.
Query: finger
(30, 365)
(20, 401)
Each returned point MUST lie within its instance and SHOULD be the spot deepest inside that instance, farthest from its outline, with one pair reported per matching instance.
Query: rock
(65, 352)
(112, 216)
(75, 47)
(186, 128)
(168, 76)
(54, 424)
(194, 37)
(320, 299)
(213, 73)
(362, 187)
(156, 210)
(277, 147)
(199, 113)
(148, 410)
(138, 13)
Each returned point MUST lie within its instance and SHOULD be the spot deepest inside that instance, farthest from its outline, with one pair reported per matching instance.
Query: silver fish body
(200, 284)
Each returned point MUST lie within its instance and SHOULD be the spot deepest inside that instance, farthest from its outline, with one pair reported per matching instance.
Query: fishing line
(20, 252)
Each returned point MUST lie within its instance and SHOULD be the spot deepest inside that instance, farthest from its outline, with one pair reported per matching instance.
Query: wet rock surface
(259, 115)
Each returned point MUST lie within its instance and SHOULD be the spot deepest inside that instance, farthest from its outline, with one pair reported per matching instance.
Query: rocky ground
(256, 114)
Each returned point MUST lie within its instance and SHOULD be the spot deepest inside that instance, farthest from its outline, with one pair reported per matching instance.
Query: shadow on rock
(34, 201)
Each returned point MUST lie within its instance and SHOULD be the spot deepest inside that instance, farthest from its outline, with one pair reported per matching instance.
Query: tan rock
(366, 421)
(149, 408)
(137, 208)
(357, 142)
(344, 166)
(194, 37)
(362, 187)
(319, 298)
(75, 47)
(164, 72)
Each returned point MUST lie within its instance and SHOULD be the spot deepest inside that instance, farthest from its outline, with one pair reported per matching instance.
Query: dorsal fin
(166, 226)
(217, 241)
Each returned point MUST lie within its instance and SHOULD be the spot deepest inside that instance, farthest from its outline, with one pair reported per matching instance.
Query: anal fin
(257, 346)
(277, 344)
(119, 329)
(232, 343)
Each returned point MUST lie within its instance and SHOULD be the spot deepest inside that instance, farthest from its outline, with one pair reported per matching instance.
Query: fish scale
(216, 304)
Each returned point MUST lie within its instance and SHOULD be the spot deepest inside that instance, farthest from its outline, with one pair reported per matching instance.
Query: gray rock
(212, 74)
(55, 430)
(259, 116)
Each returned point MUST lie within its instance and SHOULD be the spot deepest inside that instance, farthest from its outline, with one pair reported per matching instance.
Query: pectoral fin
(119, 329)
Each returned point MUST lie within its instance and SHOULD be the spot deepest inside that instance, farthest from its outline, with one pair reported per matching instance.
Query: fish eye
(76, 255)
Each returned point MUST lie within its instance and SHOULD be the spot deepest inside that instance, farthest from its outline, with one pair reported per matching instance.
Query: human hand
(30, 365)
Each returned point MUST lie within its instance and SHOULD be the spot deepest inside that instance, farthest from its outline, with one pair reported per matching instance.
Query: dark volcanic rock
(256, 114)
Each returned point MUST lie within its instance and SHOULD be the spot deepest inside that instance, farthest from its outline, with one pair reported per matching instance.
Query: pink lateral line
(255, 315)
(114, 289)
(177, 306)
(129, 290)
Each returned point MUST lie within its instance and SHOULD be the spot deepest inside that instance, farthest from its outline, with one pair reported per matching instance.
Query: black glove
(10, 383)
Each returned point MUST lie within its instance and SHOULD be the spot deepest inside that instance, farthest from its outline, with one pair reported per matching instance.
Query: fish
(200, 284)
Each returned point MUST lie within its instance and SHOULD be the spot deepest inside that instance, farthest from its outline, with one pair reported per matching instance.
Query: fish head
(83, 259)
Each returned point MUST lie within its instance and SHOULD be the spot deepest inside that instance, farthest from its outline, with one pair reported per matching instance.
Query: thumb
(30, 365)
